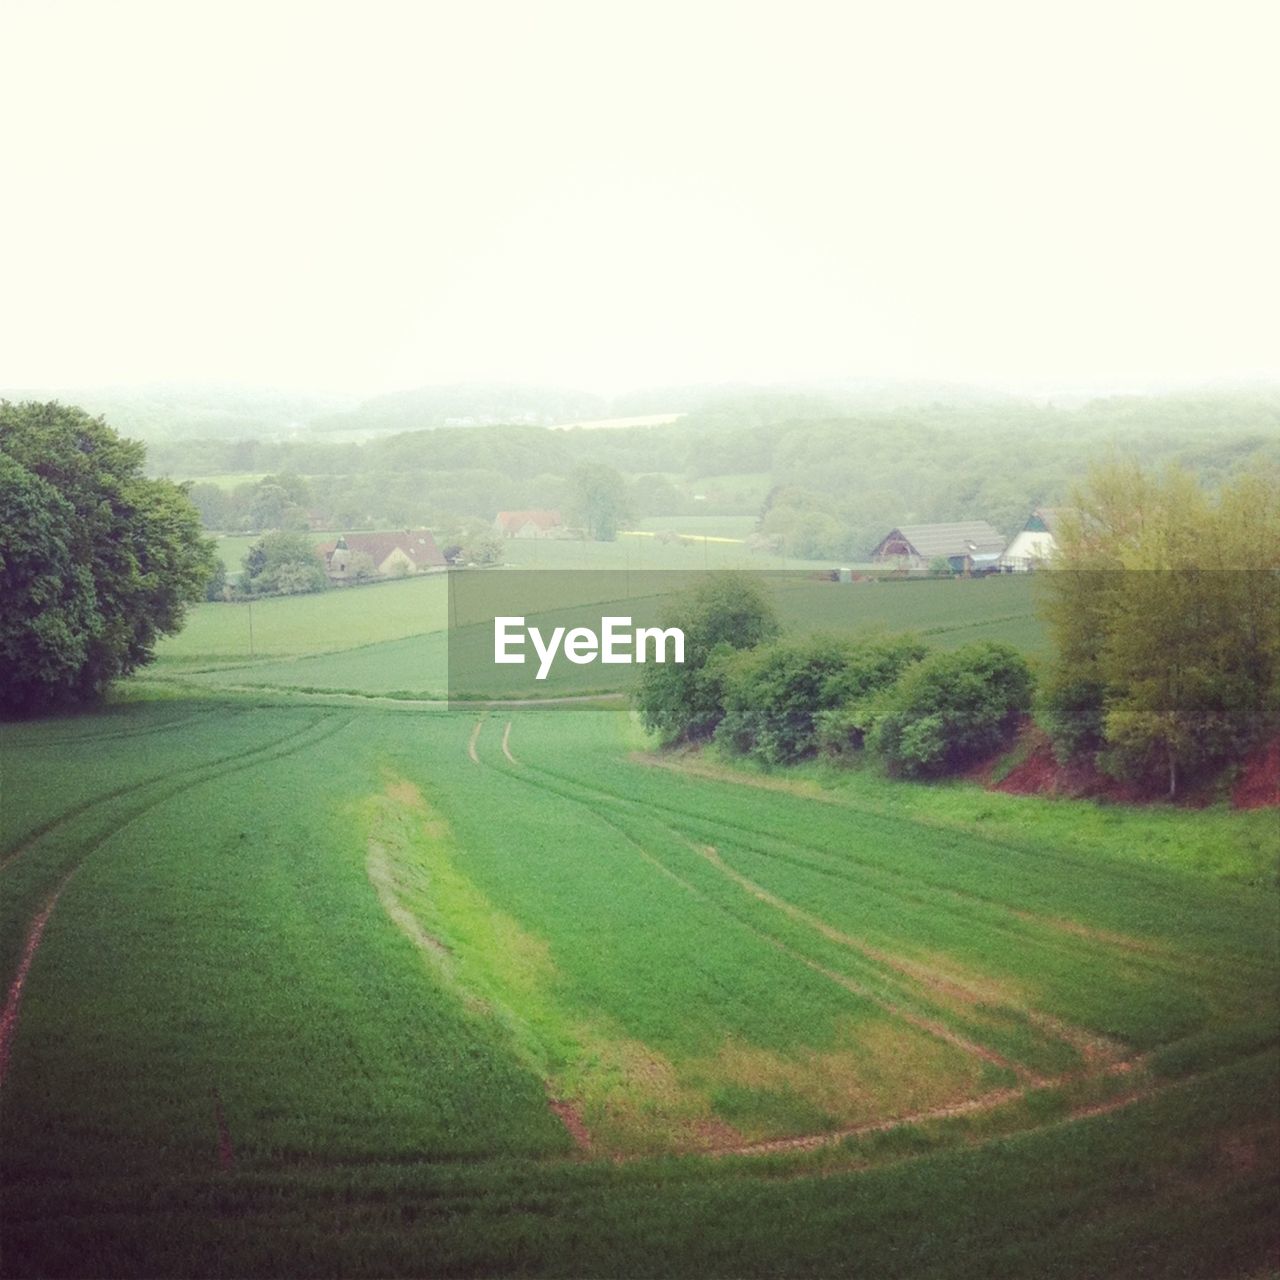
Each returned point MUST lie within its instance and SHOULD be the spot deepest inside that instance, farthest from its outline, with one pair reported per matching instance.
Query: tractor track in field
(211, 771)
(998, 916)
(1137, 875)
(1093, 1047)
(973, 1106)
(13, 998)
(89, 739)
(930, 1026)
(32, 838)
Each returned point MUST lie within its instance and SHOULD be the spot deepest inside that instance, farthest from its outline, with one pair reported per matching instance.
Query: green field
(389, 638)
(323, 989)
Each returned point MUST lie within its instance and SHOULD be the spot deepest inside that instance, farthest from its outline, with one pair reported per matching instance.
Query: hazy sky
(372, 196)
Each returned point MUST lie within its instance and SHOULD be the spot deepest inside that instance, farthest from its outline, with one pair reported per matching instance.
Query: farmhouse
(529, 524)
(392, 554)
(1034, 544)
(971, 544)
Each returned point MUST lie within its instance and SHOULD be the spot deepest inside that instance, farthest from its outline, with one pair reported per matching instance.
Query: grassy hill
(373, 991)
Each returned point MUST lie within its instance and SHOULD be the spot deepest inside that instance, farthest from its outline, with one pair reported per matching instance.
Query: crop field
(373, 990)
(389, 639)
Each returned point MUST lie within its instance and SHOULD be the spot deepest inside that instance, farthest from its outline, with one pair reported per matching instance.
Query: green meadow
(314, 983)
(375, 990)
(390, 638)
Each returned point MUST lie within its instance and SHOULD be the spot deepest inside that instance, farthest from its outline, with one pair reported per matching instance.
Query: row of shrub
(781, 701)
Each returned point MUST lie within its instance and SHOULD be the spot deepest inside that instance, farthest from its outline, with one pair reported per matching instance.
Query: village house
(966, 546)
(529, 524)
(1033, 546)
(391, 555)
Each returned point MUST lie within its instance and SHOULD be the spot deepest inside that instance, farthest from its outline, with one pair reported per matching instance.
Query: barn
(1034, 544)
(967, 545)
(528, 524)
(393, 554)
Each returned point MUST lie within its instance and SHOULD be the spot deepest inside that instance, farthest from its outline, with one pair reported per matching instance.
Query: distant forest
(827, 472)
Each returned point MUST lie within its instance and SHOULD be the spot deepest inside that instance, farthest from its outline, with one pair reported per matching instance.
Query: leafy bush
(722, 613)
(952, 709)
(1071, 710)
(785, 702)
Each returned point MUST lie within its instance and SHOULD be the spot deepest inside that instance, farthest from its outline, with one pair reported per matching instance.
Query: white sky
(371, 196)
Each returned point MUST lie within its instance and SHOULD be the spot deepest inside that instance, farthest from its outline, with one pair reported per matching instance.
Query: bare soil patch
(1259, 783)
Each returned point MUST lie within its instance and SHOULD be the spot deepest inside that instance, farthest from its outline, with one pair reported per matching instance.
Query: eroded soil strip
(974, 1106)
(572, 1120)
(13, 1001)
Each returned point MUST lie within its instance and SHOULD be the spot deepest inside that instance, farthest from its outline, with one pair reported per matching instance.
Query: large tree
(97, 561)
(1164, 602)
(598, 500)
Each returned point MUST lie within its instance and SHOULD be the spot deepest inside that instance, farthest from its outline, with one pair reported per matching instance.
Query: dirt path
(506, 744)
(475, 737)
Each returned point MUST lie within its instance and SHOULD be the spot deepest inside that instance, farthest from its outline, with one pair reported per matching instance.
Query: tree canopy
(285, 564)
(97, 561)
(721, 613)
(1165, 607)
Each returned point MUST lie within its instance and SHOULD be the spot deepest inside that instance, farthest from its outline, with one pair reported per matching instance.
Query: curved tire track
(213, 772)
(32, 838)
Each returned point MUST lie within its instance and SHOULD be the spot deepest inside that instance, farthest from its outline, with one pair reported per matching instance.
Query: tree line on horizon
(820, 487)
